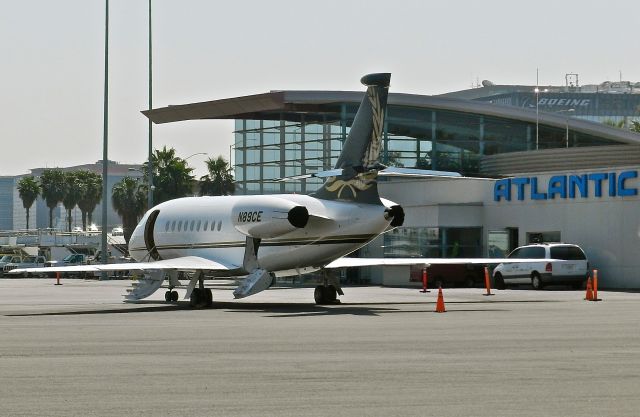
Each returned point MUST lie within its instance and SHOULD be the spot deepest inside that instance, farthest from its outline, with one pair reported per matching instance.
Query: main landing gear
(325, 294)
(329, 291)
(201, 296)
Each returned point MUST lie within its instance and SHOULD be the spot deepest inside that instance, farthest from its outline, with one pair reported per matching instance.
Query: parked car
(9, 259)
(27, 262)
(559, 263)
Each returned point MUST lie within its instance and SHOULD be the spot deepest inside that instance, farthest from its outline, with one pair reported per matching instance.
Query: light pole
(150, 160)
(567, 124)
(197, 153)
(105, 142)
(537, 91)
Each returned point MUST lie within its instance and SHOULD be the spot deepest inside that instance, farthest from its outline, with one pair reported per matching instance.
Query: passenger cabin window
(206, 225)
(180, 225)
(219, 225)
(173, 226)
(166, 226)
(198, 225)
(193, 225)
(213, 225)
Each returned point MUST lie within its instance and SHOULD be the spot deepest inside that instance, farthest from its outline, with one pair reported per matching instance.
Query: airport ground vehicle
(563, 264)
(26, 262)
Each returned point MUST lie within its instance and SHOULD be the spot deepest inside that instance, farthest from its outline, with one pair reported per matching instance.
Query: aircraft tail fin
(359, 157)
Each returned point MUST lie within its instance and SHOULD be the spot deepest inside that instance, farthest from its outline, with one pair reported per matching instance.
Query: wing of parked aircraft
(355, 262)
(184, 263)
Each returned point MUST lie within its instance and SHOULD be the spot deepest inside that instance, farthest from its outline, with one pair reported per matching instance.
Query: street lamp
(537, 91)
(197, 153)
(567, 124)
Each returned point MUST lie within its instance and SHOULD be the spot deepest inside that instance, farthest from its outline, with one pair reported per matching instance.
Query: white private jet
(260, 237)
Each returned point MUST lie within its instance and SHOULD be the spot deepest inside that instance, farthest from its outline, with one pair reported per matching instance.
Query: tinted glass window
(515, 254)
(531, 253)
(568, 253)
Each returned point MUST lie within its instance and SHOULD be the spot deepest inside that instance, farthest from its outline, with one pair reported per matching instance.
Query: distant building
(611, 102)
(13, 214)
(116, 173)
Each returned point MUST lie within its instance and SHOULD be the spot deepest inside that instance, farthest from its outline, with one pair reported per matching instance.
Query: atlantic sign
(596, 184)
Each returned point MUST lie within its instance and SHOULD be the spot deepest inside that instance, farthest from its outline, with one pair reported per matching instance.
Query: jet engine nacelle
(263, 217)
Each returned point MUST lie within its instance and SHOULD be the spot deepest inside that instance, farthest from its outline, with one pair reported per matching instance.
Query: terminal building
(536, 175)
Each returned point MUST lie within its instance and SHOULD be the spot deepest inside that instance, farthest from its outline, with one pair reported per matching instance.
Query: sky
(52, 61)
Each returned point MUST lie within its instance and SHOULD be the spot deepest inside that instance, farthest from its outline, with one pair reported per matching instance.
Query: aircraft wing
(182, 263)
(353, 262)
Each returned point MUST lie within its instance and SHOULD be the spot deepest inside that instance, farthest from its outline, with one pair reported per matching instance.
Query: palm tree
(52, 186)
(73, 189)
(29, 190)
(635, 126)
(171, 175)
(91, 184)
(220, 179)
(129, 198)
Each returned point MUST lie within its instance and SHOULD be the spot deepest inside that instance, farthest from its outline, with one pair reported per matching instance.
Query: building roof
(326, 105)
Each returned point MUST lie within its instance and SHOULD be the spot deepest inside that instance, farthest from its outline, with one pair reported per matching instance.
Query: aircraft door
(149, 241)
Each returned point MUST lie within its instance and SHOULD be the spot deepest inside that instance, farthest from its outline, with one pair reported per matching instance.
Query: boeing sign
(595, 184)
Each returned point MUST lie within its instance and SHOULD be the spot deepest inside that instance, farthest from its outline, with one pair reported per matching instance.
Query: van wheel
(498, 281)
(536, 282)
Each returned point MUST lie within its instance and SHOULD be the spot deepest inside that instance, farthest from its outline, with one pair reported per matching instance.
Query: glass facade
(414, 137)
(433, 242)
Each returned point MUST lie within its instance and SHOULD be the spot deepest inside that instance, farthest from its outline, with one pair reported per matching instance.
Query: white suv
(559, 263)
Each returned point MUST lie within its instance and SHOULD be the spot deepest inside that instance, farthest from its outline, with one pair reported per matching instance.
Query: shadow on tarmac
(278, 310)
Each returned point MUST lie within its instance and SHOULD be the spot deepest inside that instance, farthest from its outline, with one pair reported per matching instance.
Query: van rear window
(567, 253)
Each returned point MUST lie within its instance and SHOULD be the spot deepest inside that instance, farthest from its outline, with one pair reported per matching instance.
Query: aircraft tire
(167, 296)
(208, 297)
(195, 299)
(330, 294)
(174, 296)
(319, 295)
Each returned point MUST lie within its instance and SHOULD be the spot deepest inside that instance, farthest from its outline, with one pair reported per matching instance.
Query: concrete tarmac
(77, 350)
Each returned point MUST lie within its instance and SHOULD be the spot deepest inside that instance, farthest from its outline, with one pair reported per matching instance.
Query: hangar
(555, 177)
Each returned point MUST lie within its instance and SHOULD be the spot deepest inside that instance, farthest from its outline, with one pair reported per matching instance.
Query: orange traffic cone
(589, 296)
(440, 302)
(595, 286)
(487, 281)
